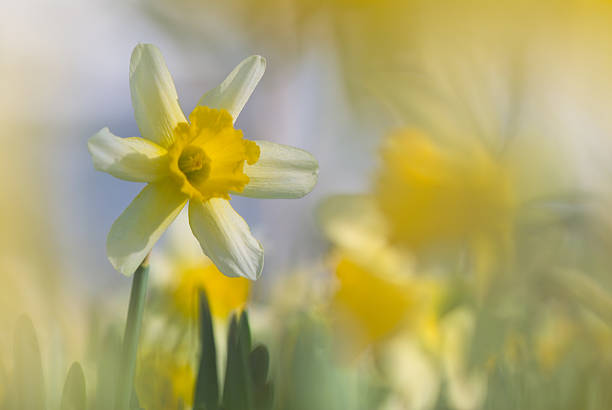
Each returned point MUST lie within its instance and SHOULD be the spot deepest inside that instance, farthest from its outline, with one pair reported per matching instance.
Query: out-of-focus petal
(226, 238)
(353, 221)
(142, 223)
(154, 97)
(233, 93)
(281, 172)
(131, 159)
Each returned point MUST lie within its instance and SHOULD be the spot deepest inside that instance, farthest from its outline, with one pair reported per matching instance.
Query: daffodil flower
(200, 162)
(378, 294)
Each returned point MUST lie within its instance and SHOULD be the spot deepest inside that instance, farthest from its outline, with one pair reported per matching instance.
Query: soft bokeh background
(64, 74)
(341, 76)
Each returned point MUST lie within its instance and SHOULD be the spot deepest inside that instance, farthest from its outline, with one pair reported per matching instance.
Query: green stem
(127, 366)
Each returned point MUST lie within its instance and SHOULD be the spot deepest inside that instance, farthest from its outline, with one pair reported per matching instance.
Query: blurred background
(493, 115)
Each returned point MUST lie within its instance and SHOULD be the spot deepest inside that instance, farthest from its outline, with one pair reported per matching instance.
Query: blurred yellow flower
(373, 302)
(377, 304)
(433, 194)
(224, 294)
(181, 271)
(163, 382)
(201, 162)
(378, 292)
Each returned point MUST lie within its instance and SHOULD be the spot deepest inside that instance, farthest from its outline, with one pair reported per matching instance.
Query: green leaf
(264, 397)
(28, 378)
(245, 331)
(230, 392)
(207, 384)
(237, 391)
(259, 361)
(74, 396)
(259, 364)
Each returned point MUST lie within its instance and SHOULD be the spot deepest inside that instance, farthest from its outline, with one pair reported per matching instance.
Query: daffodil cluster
(431, 269)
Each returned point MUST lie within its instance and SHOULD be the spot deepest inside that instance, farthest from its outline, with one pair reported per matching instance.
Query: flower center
(193, 159)
(208, 155)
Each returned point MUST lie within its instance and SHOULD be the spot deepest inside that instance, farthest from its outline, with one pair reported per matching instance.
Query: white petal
(353, 221)
(281, 172)
(154, 97)
(131, 159)
(142, 223)
(233, 93)
(226, 238)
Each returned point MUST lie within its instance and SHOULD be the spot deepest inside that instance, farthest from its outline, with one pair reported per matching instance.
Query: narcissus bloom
(456, 196)
(376, 303)
(378, 295)
(434, 194)
(200, 161)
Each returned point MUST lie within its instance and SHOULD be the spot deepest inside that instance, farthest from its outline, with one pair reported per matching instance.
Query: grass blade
(207, 384)
(74, 396)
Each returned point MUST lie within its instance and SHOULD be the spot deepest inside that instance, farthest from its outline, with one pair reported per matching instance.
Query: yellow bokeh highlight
(163, 382)
(373, 304)
(439, 195)
(225, 294)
